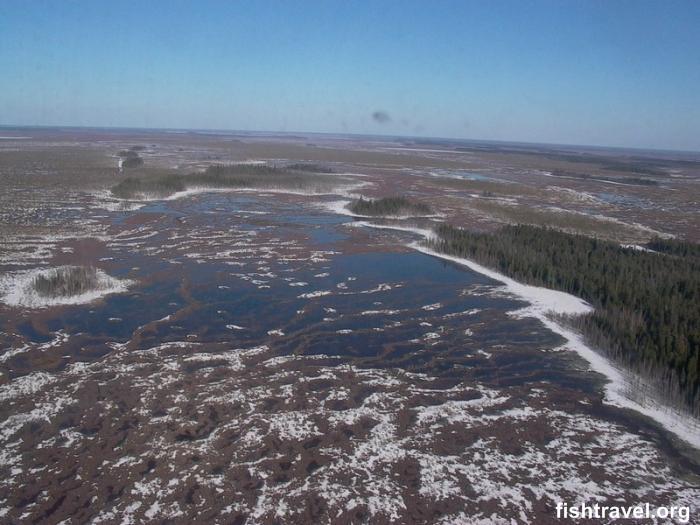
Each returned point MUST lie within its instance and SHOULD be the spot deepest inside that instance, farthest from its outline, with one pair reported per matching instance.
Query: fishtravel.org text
(678, 514)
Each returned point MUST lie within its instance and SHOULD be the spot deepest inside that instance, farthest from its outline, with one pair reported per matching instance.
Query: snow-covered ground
(16, 289)
(342, 190)
(424, 232)
(340, 207)
(346, 445)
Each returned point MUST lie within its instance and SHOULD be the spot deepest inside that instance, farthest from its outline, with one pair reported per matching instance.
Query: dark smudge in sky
(381, 116)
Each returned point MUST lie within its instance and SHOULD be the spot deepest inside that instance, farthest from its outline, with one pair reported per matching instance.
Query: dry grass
(562, 220)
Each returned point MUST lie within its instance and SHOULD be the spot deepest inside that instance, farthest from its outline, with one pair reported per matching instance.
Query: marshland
(224, 267)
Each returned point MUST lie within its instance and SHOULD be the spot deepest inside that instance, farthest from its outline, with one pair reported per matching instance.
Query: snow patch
(16, 289)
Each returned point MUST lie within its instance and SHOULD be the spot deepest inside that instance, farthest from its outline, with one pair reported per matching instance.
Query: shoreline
(681, 425)
(542, 301)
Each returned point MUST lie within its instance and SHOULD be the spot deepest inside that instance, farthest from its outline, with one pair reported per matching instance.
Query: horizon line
(349, 134)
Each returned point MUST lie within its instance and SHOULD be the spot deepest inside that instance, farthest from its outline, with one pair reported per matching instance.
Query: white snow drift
(16, 289)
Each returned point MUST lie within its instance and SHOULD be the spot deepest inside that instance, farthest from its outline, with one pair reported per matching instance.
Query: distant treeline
(388, 206)
(647, 305)
(310, 168)
(259, 176)
(675, 247)
(130, 157)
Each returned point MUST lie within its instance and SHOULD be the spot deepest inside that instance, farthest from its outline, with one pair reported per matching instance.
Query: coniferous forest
(388, 206)
(647, 304)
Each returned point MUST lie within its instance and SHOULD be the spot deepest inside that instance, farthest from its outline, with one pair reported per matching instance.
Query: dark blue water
(392, 308)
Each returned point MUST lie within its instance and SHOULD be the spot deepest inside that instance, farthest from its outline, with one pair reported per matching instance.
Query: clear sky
(579, 72)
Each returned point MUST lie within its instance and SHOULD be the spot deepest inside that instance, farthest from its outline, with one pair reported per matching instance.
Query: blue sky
(579, 72)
